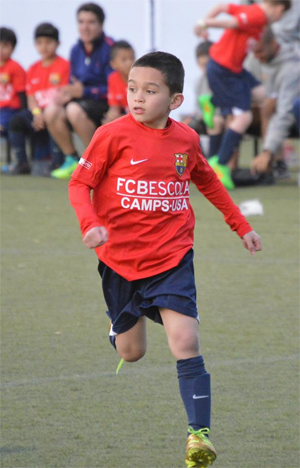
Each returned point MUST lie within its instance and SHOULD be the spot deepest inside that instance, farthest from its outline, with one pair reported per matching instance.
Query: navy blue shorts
(127, 301)
(230, 90)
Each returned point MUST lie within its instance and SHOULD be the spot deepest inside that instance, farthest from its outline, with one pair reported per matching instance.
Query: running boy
(12, 80)
(141, 224)
(231, 85)
(121, 60)
(44, 78)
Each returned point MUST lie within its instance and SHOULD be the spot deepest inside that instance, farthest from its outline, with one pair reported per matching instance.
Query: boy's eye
(150, 91)
(130, 88)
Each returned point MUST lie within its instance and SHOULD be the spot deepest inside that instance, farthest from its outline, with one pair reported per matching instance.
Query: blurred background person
(122, 57)
(281, 78)
(234, 87)
(12, 81)
(82, 104)
(210, 127)
(43, 81)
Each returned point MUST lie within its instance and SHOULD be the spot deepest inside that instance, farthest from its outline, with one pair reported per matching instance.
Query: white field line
(146, 370)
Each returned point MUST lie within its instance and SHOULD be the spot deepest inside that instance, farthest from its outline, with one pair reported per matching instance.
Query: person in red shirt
(232, 86)
(12, 80)
(122, 57)
(44, 78)
(141, 225)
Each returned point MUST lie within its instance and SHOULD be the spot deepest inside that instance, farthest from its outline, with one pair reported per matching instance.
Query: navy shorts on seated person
(230, 90)
(127, 301)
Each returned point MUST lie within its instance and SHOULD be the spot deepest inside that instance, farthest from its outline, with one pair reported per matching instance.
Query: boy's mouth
(139, 110)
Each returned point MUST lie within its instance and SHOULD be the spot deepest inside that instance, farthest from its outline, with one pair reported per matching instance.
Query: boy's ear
(177, 100)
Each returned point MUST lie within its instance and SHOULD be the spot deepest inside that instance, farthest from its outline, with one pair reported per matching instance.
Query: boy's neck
(3, 62)
(49, 61)
(161, 126)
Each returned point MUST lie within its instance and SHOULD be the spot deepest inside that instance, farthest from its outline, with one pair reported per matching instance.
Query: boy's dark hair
(46, 30)
(203, 48)
(7, 35)
(286, 3)
(169, 65)
(267, 36)
(93, 8)
(118, 45)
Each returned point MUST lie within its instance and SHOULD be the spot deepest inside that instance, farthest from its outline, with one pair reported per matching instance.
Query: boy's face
(88, 26)
(202, 61)
(46, 47)
(123, 61)
(149, 97)
(6, 49)
(275, 12)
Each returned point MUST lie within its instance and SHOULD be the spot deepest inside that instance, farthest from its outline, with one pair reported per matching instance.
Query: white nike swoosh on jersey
(195, 397)
(132, 162)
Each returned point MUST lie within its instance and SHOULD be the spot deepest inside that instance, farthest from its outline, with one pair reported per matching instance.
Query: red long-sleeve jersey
(140, 179)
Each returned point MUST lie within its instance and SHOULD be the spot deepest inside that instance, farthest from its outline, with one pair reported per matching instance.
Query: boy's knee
(74, 112)
(184, 344)
(18, 124)
(131, 353)
(53, 113)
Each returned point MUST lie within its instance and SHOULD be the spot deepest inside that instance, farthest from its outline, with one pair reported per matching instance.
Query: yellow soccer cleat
(200, 452)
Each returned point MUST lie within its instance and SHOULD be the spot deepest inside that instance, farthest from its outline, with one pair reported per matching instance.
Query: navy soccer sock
(194, 384)
(214, 144)
(230, 143)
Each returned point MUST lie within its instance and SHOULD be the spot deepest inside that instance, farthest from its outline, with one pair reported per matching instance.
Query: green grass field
(62, 404)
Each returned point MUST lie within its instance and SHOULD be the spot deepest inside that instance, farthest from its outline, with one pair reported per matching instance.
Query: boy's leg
(57, 124)
(81, 123)
(56, 121)
(132, 344)
(233, 135)
(215, 136)
(19, 129)
(194, 384)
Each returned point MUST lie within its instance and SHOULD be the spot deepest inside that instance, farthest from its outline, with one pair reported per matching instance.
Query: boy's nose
(139, 97)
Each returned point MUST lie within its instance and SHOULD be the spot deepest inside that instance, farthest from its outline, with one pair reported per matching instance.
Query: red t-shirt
(117, 91)
(12, 82)
(231, 50)
(140, 179)
(43, 81)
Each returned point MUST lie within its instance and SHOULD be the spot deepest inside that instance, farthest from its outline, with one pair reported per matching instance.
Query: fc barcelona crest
(180, 162)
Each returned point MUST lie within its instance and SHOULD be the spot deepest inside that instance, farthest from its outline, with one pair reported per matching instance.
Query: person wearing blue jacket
(81, 105)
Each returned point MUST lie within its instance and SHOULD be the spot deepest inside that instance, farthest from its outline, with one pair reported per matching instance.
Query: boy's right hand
(38, 122)
(95, 237)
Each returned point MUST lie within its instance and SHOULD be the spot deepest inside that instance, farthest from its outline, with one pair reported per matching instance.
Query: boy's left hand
(252, 242)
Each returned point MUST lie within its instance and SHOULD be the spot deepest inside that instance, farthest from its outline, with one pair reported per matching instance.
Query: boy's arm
(38, 119)
(93, 233)
(23, 100)
(212, 22)
(208, 184)
(112, 114)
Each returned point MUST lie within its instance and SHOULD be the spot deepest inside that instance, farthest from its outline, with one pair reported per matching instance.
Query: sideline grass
(63, 406)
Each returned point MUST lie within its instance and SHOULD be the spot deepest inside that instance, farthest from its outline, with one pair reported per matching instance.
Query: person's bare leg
(239, 123)
(82, 125)
(56, 121)
(131, 345)
(182, 333)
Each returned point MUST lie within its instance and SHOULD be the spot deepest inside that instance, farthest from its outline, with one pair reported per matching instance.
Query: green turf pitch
(62, 404)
